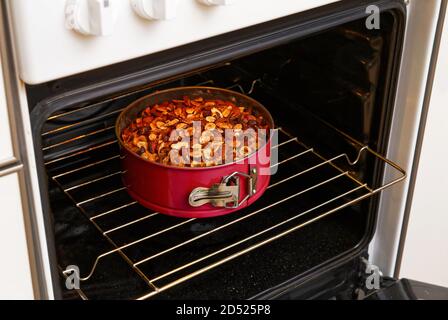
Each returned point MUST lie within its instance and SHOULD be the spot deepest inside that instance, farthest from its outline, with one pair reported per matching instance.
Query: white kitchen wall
(425, 255)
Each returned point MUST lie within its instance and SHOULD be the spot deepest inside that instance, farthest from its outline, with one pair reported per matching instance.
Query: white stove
(48, 40)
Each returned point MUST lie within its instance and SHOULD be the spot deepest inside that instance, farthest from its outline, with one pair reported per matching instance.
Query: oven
(329, 77)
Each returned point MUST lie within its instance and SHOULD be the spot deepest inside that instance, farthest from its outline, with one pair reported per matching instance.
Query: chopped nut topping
(160, 124)
(182, 132)
(172, 122)
(210, 126)
(226, 112)
(182, 126)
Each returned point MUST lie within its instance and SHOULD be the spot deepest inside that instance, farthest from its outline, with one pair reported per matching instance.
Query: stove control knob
(155, 9)
(91, 17)
(216, 2)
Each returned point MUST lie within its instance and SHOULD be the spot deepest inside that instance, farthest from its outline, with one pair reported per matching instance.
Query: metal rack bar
(63, 114)
(240, 87)
(70, 155)
(235, 221)
(249, 249)
(284, 142)
(118, 250)
(77, 138)
(113, 210)
(131, 223)
(86, 166)
(292, 157)
(69, 126)
(344, 155)
(100, 196)
(254, 235)
(93, 181)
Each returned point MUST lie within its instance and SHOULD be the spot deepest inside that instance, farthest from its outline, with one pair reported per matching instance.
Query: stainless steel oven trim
(421, 132)
(23, 164)
(419, 37)
(11, 168)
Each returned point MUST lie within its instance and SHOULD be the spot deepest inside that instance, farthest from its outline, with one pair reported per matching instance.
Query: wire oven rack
(94, 184)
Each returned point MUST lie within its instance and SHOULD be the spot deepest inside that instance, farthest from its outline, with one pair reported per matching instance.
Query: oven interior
(329, 94)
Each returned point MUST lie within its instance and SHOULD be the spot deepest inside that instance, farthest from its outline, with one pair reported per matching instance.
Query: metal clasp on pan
(227, 193)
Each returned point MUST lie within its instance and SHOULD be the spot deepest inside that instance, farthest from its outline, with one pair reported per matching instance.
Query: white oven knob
(91, 17)
(155, 9)
(216, 2)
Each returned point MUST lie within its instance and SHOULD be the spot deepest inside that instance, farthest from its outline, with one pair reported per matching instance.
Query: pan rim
(241, 161)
